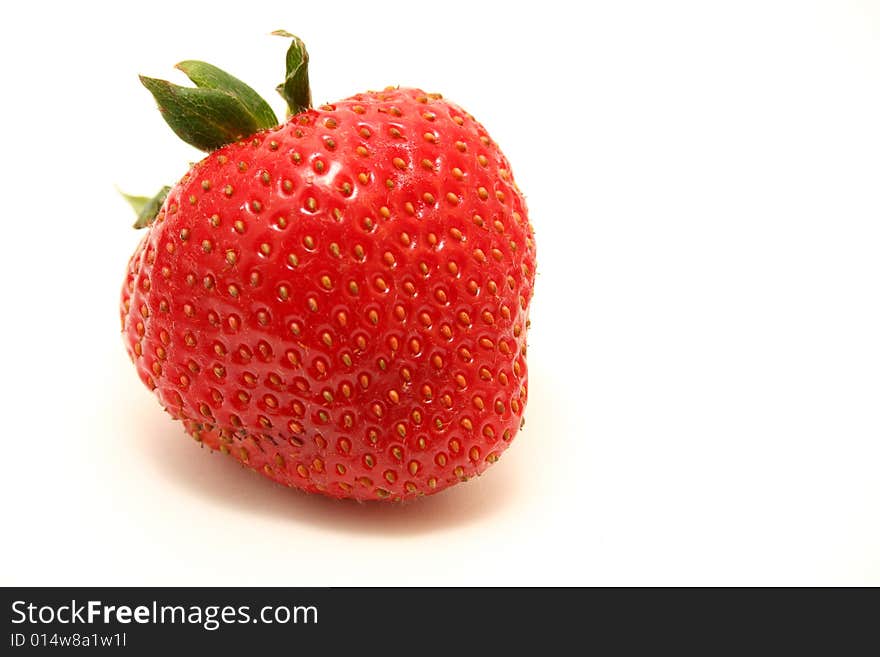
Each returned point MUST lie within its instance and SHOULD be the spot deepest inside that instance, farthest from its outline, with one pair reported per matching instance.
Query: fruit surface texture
(341, 302)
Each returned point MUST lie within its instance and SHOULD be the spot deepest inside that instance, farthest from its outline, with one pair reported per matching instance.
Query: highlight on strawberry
(338, 300)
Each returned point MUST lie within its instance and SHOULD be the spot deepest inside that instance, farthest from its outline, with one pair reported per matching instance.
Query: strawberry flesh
(341, 302)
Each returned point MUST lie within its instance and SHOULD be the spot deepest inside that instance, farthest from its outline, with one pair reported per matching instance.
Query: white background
(704, 181)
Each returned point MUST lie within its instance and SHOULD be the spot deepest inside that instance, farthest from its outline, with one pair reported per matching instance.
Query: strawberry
(339, 302)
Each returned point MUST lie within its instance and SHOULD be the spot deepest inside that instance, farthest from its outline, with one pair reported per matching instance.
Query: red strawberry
(341, 301)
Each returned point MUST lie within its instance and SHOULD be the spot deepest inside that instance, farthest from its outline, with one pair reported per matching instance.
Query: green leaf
(137, 203)
(145, 208)
(207, 76)
(295, 88)
(204, 118)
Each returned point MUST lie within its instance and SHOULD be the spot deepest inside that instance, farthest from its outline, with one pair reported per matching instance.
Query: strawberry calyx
(146, 208)
(295, 89)
(221, 109)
